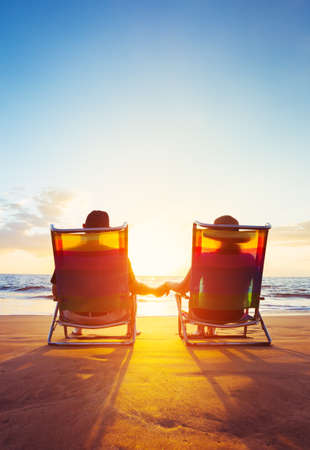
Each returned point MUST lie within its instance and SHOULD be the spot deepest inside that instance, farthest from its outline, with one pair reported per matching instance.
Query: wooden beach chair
(91, 268)
(227, 268)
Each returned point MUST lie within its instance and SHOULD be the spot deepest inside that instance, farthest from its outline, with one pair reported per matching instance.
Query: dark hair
(97, 219)
(226, 220)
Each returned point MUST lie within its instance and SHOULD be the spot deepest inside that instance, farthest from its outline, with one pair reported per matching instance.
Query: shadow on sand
(60, 398)
(259, 400)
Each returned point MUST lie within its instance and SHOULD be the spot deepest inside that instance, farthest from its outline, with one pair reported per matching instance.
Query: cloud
(51, 204)
(293, 236)
(24, 225)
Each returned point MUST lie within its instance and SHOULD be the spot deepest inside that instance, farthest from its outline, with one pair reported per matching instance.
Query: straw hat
(233, 236)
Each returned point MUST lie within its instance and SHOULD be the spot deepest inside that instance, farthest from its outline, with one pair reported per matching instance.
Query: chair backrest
(227, 266)
(91, 268)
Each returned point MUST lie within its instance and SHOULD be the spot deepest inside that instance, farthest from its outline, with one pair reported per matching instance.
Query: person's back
(222, 282)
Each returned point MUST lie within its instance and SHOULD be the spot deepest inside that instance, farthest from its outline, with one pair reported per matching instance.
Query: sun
(153, 251)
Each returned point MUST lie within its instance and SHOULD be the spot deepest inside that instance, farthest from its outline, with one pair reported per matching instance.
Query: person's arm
(54, 290)
(183, 286)
(142, 288)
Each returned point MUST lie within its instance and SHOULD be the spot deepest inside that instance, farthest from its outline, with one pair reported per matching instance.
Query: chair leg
(184, 332)
(134, 319)
(66, 332)
(132, 327)
(211, 331)
(134, 330)
(182, 328)
(264, 328)
(245, 329)
(129, 330)
(53, 326)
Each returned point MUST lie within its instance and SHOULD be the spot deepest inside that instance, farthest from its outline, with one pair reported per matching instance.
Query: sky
(159, 112)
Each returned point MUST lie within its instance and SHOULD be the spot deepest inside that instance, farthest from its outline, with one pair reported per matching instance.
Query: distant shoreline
(152, 276)
(31, 294)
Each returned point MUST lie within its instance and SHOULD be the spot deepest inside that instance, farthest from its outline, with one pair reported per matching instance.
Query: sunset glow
(156, 251)
(160, 115)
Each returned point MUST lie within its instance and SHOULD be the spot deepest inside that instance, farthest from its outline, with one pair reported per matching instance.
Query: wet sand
(156, 395)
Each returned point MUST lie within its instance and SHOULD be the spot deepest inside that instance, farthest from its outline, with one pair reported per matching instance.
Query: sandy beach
(158, 394)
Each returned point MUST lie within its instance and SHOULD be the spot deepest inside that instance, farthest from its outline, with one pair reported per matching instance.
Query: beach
(158, 394)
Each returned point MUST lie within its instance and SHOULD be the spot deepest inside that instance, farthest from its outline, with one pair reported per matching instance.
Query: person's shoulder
(247, 259)
(53, 278)
(247, 256)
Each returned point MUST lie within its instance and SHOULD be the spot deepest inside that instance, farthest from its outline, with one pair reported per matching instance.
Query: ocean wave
(30, 288)
(283, 307)
(289, 295)
(29, 297)
(6, 288)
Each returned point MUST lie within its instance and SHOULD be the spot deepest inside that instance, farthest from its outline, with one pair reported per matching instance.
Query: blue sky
(160, 113)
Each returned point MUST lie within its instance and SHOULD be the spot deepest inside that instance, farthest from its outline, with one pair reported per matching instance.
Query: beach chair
(91, 268)
(226, 277)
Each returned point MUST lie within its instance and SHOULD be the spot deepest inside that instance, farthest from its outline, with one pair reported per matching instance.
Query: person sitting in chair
(100, 219)
(218, 280)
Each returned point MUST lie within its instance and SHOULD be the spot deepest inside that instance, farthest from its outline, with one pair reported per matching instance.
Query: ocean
(31, 294)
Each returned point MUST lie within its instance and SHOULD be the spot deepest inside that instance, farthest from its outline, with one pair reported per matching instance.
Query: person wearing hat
(100, 219)
(217, 280)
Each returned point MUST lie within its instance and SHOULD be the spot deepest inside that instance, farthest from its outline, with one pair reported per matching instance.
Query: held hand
(172, 286)
(176, 287)
(161, 290)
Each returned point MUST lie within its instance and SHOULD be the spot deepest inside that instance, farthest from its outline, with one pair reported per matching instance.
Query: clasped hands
(164, 289)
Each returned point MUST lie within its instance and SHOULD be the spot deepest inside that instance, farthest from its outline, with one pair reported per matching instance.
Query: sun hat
(232, 236)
